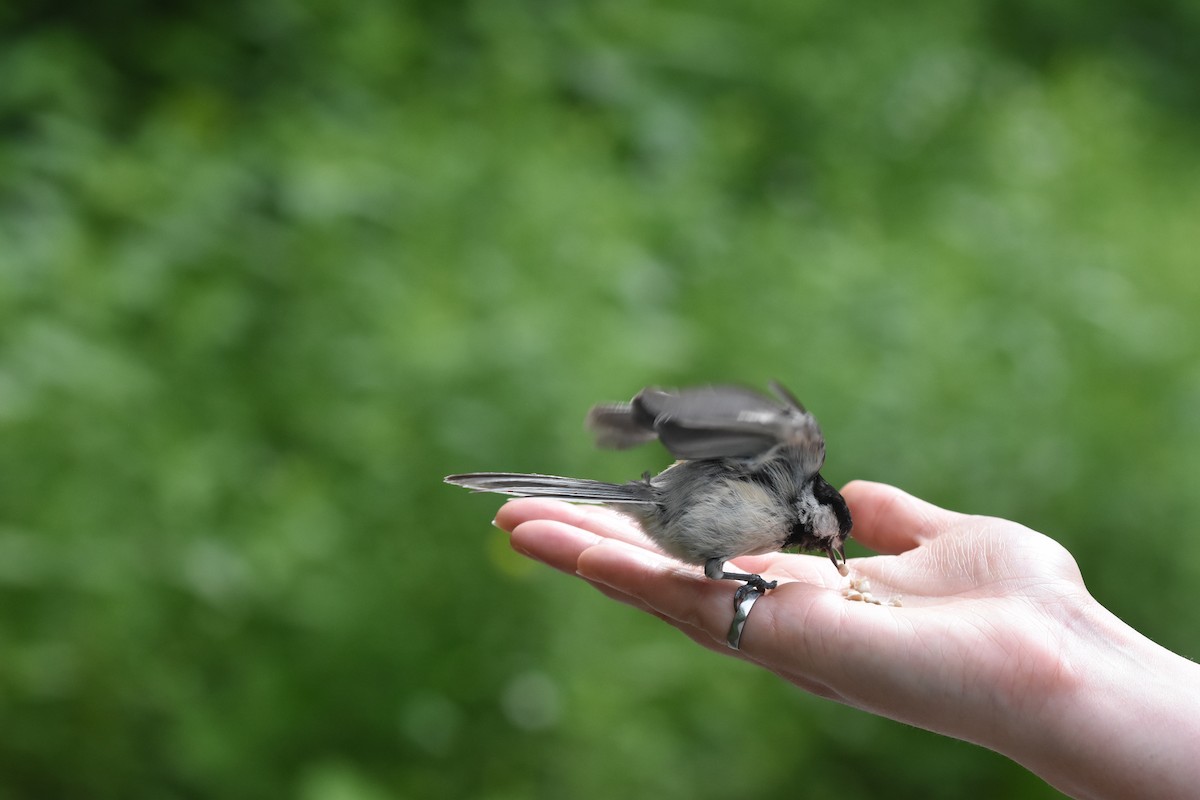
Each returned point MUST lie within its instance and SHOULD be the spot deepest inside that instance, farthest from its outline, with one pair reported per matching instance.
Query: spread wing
(711, 422)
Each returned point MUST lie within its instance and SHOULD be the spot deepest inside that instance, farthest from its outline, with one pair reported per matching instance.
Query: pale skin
(996, 642)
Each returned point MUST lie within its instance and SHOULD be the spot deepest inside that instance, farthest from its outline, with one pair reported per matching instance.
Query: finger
(597, 519)
(559, 545)
(701, 607)
(796, 623)
(699, 637)
(761, 642)
(554, 543)
(629, 600)
(681, 593)
(891, 521)
(803, 648)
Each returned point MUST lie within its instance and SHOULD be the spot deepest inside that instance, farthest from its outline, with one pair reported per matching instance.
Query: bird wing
(728, 421)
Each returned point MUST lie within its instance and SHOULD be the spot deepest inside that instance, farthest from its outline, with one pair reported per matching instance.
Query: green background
(270, 270)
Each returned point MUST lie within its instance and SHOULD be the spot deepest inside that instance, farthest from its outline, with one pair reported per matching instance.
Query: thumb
(891, 521)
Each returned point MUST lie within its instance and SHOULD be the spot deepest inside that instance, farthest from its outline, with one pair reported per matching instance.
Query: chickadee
(747, 480)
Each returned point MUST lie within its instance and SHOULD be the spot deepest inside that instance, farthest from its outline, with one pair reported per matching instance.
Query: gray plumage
(748, 479)
(710, 422)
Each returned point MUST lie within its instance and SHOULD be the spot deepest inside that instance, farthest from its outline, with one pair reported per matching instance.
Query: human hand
(979, 596)
(994, 643)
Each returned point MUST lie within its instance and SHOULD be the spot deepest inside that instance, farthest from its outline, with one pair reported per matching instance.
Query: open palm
(983, 602)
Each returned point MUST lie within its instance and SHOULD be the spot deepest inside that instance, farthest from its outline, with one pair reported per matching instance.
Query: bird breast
(729, 518)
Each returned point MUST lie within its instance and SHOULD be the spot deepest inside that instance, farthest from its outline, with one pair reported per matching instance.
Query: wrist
(1119, 717)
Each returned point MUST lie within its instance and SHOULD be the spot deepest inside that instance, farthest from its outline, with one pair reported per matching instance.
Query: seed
(853, 595)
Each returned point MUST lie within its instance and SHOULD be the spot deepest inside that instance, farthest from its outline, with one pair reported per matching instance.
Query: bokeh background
(270, 270)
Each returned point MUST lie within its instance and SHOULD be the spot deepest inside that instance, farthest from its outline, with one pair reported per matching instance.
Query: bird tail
(577, 490)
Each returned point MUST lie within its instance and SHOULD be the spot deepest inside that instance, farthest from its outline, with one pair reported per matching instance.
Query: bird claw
(755, 583)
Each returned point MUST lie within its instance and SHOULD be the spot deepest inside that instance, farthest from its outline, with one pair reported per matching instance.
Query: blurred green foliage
(267, 272)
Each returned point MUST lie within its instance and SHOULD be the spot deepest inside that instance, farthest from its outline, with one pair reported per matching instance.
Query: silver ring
(739, 618)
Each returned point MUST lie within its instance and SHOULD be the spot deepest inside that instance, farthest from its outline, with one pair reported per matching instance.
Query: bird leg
(715, 569)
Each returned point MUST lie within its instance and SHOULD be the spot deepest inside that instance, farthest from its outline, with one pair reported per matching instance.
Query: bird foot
(754, 583)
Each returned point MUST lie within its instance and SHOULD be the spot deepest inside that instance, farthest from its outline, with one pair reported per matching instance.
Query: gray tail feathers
(577, 490)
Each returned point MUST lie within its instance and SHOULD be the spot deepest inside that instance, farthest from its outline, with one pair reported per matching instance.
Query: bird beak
(836, 552)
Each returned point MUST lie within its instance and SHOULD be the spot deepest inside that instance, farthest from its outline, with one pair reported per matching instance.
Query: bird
(746, 479)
